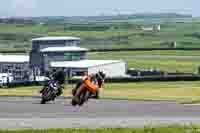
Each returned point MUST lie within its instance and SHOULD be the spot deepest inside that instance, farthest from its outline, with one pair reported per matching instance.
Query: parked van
(5, 78)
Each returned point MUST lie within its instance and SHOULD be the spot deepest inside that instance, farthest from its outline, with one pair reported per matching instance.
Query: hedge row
(141, 49)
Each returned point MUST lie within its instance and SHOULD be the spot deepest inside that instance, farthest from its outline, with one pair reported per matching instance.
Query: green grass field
(166, 64)
(185, 34)
(169, 129)
(182, 91)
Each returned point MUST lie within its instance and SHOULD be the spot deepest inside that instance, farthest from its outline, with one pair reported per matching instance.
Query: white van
(5, 77)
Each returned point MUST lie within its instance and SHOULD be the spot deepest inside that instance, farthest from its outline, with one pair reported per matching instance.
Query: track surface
(18, 112)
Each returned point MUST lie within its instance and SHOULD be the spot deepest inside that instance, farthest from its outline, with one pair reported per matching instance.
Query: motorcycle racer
(92, 82)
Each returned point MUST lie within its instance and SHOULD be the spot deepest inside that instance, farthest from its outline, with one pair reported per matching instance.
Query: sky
(33, 8)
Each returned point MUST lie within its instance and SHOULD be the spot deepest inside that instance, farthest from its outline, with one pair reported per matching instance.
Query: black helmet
(101, 75)
(47, 73)
(54, 70)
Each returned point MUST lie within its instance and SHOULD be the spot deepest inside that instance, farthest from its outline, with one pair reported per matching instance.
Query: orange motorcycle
(87, 89)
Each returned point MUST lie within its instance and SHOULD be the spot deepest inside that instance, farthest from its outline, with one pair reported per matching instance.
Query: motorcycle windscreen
(90, 86)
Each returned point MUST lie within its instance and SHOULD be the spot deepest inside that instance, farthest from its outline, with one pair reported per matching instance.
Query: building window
(68, 57)
(71, 43)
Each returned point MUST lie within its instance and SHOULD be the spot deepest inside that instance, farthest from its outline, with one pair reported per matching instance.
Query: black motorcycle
(49, 92)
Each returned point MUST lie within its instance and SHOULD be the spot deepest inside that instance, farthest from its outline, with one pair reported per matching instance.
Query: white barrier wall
(112, 70)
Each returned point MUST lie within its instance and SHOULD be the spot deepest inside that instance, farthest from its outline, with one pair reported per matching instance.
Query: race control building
(65, 52)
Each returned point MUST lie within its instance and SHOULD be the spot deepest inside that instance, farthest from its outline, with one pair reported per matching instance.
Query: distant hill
(78, 19)
(136, 16)
(116, 18)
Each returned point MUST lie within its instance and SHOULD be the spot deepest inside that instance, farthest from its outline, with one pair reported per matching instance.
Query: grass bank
(182, 91)
(170, 129)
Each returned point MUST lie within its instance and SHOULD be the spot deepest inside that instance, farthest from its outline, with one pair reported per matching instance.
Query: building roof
(61, 49)
(14, 58)
(55, 38)
(82, 63)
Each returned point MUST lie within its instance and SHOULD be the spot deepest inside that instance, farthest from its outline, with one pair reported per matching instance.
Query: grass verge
(169, 129)
(182, 91)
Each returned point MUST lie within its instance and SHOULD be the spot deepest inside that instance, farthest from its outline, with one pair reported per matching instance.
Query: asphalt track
(26, 112)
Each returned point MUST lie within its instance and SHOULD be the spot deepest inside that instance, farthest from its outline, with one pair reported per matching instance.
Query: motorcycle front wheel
(84, 97)
(43, 101)
(74, 101)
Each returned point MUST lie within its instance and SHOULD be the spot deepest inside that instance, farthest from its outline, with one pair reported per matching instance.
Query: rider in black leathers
(59, 77)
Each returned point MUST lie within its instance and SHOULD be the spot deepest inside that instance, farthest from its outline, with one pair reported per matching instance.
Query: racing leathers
(59, 78)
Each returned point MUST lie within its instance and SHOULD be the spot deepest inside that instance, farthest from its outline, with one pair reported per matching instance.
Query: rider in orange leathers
(92, 82)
